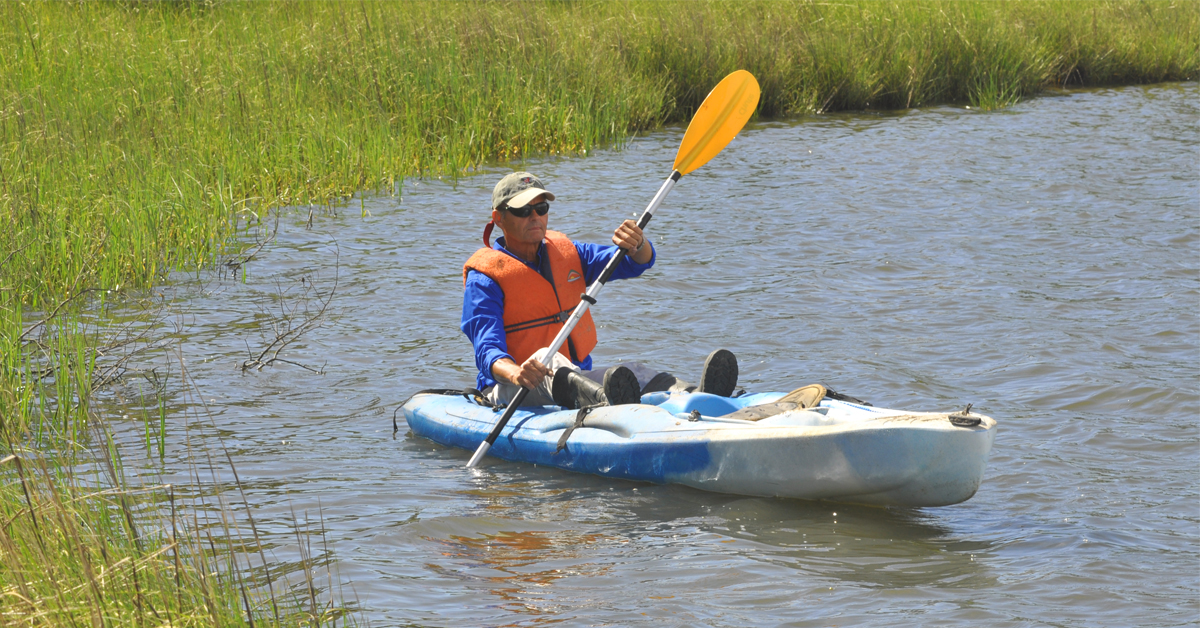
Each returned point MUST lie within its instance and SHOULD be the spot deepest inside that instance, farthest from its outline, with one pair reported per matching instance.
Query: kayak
(835, 451)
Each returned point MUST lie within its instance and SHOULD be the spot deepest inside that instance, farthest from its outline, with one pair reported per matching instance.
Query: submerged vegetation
(139, 137)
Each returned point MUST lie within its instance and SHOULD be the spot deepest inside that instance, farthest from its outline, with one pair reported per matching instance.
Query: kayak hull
(838, 452)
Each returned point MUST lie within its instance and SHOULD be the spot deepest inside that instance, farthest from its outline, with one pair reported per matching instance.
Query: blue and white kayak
(837, 451)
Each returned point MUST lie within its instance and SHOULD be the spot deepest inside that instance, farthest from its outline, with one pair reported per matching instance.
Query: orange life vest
(535, 309)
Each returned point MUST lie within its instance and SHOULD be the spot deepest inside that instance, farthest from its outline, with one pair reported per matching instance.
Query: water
(1041, 262)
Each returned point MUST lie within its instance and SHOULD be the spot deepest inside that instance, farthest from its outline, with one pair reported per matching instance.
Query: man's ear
(496, 216)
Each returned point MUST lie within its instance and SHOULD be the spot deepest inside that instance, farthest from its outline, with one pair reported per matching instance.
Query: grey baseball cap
(517, 189)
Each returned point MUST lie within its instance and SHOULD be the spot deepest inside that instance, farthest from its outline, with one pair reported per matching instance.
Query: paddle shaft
(587, 299)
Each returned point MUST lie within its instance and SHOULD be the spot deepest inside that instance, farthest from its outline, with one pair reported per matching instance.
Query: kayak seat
(800, 399)
(706, 404)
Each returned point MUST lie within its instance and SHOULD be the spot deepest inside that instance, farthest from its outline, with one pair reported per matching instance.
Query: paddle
(722, 114)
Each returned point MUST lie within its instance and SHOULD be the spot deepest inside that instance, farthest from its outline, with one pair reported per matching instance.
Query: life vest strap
(561, 317)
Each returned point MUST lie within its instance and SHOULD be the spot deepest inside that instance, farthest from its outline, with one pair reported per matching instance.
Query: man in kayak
(519, 291)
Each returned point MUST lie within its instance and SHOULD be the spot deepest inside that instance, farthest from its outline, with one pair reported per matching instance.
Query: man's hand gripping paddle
(722, 114)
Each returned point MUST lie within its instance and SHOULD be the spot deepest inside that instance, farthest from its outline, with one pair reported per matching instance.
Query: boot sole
(621, 387)
(720, 374)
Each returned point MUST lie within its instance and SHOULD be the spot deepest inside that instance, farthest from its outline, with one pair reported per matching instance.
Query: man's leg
(642, 372)
(502, 394)
(719, 376)
(615, 386)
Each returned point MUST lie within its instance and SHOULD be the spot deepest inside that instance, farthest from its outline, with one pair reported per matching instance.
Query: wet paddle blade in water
(722, 114)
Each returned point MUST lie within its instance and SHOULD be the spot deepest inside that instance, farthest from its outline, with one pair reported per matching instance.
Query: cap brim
(525, 196)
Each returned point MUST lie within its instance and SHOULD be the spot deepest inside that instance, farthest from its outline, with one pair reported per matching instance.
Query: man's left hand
(629, 236)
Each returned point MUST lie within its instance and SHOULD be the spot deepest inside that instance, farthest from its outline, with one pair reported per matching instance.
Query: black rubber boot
(572, 390)
(720, 374)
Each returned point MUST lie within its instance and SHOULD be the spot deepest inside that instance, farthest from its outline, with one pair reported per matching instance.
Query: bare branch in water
(287, 331)
(134, 338)
(110, 354)
(73, 295)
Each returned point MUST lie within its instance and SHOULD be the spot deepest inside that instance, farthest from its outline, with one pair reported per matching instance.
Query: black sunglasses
(523, 212)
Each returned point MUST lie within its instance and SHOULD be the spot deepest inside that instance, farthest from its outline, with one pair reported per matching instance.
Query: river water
(1041, 262)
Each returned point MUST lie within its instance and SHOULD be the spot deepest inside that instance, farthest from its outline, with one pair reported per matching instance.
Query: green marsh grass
(137, 137)
(82, 549)
(141, 137)
(83, 543)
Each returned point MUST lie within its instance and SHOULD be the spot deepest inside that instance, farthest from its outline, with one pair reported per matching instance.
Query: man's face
(529, 230)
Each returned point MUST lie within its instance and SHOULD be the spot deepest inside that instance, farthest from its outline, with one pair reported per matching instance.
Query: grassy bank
(138, 137)
(132, 134)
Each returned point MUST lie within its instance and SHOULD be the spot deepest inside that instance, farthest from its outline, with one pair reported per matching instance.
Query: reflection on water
(514, 566)
(1042, 262)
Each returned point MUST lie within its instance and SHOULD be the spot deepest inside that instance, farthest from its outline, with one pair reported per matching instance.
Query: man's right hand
(529, 374)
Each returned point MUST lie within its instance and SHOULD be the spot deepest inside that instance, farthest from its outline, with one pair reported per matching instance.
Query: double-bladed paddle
(722, 114)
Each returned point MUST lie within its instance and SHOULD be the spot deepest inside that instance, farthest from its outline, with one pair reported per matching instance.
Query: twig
(117, 370)
(238, 260)
(286, 334)
(58, 308)
(320, 371)
(10, 255)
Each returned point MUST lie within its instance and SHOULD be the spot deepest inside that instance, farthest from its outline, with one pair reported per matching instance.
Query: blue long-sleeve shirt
(483, 302)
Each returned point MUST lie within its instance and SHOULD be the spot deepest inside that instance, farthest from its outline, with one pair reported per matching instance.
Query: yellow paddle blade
(722, 114)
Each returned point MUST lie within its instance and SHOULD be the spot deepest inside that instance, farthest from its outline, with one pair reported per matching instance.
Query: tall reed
(83, 543)
(79, 550)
